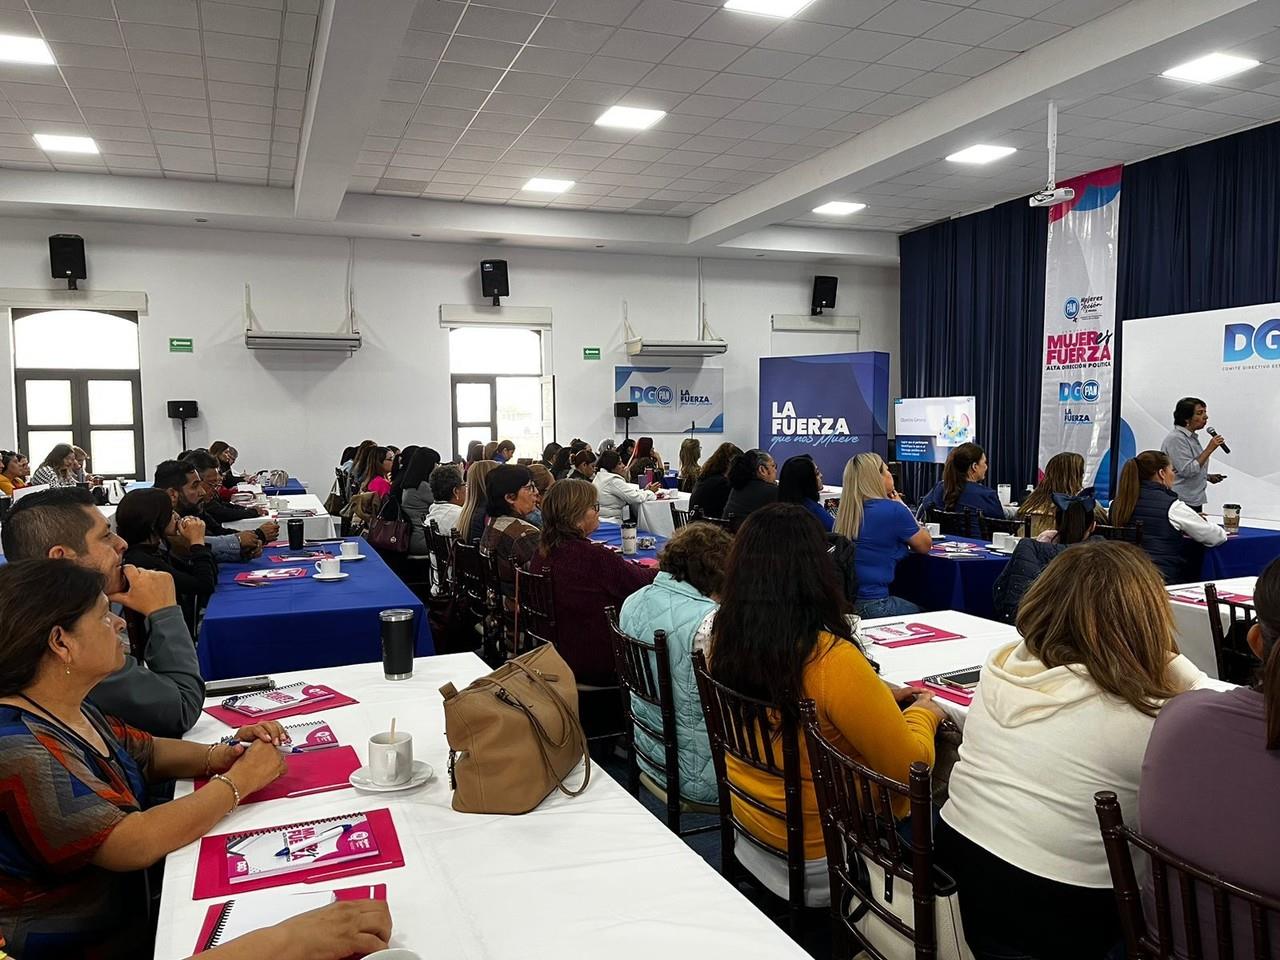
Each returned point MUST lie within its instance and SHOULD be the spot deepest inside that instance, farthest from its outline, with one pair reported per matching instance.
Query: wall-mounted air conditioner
(708, 343)
(263, 340)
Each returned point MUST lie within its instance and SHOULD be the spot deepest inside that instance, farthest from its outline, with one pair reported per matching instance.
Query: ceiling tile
(931, 84)
(1016, 8)
(882, 77)
(236, 19)
(925, 54)
(729, 26)
(705, 54)
(555, 63)
(575, 35)
(1025, 35)
(826, 70)
(700, 105)
(1073, 13)
(668, 16)
(421, 45)
(106, 58)
(865, 45)
(766, 63)
(484, 53)
(972, 27)
(609, 12)
(230, 47)
(639, 45)
(490, 23)
(976, 61)
(792, 92)
(910, 18)
(79, 30)
(667, 76)
(531, 84)
(615, 70)
(241, 71)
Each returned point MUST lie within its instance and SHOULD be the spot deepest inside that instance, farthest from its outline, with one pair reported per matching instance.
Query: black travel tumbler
(296, 535)
(397, 643)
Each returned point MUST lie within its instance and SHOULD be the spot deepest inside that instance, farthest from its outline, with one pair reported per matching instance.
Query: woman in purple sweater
(586, 577)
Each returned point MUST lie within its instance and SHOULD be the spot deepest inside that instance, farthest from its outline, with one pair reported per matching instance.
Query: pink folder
(308, 773)
(946, 693)
(918, 633)
(214, 917)
(233, 719)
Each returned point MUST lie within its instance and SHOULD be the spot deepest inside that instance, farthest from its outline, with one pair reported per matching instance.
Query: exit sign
(590, 353)
(181, 345)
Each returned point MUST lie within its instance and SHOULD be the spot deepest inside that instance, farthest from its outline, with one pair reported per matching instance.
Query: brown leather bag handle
(572, 726)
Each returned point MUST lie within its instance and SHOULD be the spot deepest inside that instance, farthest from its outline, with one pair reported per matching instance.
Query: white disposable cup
(328, 567)
(935, 529)
(1005, 492)
(390, 758)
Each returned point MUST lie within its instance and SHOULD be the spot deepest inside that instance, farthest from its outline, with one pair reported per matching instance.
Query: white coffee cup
(275, 503)
(328, 567)
(395, 953)
(350, 549)
(390, 758)
(935, 529)
(1001, 540)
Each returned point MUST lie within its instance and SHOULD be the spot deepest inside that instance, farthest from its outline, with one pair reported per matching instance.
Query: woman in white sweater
(1058, 716)
(616, 492)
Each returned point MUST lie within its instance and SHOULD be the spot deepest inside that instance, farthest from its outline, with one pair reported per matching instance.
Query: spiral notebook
(266, 702)
(225, 922)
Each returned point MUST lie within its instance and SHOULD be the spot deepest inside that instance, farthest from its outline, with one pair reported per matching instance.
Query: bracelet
(234, 790)
(208, 758)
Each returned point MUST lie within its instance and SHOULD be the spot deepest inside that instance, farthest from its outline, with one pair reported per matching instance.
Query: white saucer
(422, 772)
(1004, 551)
(358, 556)
(335, 576)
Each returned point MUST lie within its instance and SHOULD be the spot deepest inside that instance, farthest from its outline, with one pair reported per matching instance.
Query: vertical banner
(829, 406)
(672, 399)
(1079, 321)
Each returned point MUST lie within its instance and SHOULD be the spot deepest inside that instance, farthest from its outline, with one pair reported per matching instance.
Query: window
(77, 380)
(499, 391)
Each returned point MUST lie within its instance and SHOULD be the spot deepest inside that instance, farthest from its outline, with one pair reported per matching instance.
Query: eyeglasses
(595, 507)
(531, 486)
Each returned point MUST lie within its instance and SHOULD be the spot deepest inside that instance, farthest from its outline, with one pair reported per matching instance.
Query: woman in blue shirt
(961, 487)
(874, 517)
(800, 481)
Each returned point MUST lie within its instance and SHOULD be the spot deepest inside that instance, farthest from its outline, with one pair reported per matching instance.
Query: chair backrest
(645, 672)
(959, 524)
(679, 518)
(698, 515)
(855, 805)
(990, 525)
(760, 736)
(1130, 534)
(469, 569)
(441, 549)
(1193, 884)
(1235, 661)
(536, 609)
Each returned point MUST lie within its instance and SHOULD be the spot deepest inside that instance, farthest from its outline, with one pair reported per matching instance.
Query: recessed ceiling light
(543, 185)
(1209, 68)
(55, 143)
(981, 153)
(633, 118)
(14, 49)
(839, 208)
(768, 8)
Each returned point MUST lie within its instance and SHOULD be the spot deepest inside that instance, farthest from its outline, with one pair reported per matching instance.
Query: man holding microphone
(1190, 458)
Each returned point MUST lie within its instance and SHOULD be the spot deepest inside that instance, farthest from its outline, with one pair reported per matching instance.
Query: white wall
(298, 410)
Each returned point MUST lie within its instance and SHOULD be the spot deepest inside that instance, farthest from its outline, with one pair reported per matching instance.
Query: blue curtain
(972, 321)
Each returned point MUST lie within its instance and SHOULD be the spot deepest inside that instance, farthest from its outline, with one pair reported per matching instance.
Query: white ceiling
(285, 106)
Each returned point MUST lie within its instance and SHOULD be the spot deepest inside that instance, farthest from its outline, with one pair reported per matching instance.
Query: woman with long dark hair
(961, 488)
(753, 483)
(1211, 773)
(13, 467)
(781, 635)
(416, 495)
(561, 463)
(375, 471)
(711, 492)
(58, 468)
(475, 453)
(800, 481)
(1144, 492)
(1073, 522)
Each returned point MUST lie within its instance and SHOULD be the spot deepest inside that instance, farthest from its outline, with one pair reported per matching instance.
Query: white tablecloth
(654, 516)
(1194, 638)
(320, 527)
(593, 875)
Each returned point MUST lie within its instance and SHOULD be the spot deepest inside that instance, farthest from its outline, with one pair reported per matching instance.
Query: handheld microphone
(1214, 433)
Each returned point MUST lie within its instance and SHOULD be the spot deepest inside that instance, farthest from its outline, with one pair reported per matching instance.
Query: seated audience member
(74, 836)
(188, 494)
(615, 493)
(1059, 715)
(505, 452)
(961, 488)
(608, 443)
(226, 455)
(12, 478)
(1073, 522)
(781, 635)
(800, 481)
(347, 459)
(1063, 474)
(586, 577)
(1211, 775)
(377, 471)
(448, 494)
(882, 529)
(753, 483)
(711, 492)
(562, 463)
(345, 928)
(543, 480)
(158, 539)
(212, 506)
(475, 453)
(165, 696)
(81, 470)
(1145, 493)
(625, 449)
(690, 454)
(491, 451)
(58, 468)
(471, 521)
(508, 536)
(584, 466)
(643, 450)
(417, 495)
(638, 468)
(549, 455)
(683, 596)
(398, 468)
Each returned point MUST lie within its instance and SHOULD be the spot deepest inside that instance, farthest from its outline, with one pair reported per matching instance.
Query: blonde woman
(471, 521)
(874, 517)
(1064, 474)
(690, 454)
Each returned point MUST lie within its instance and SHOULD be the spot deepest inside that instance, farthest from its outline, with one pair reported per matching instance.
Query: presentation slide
(928, 428)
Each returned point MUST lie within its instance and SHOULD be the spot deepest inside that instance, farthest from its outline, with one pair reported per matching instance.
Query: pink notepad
(946, 693)
(907, 634)
(217, 864)
(223, 922)
(300, 556)
(271, 576)
(311, 735)
(267, 703)
(1196, 596)
(233, 719)
(308, 773)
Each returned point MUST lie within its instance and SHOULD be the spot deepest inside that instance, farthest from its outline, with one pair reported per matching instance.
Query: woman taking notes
(874, 517)
(74, 836)
(961, 488)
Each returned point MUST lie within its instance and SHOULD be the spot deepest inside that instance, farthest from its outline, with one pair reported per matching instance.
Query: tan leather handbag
(514, 736)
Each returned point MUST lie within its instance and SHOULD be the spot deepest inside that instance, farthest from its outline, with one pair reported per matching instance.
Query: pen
(318, 839)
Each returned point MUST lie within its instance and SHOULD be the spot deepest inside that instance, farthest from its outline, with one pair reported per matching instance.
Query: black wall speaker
(66, 257)
(183, 409)
(626, 410)
(493, 278)
(824, 294)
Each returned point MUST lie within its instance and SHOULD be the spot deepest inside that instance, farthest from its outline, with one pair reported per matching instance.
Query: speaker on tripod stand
(183, 410)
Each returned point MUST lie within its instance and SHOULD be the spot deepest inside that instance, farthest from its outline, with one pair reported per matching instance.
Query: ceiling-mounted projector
(1051, 198)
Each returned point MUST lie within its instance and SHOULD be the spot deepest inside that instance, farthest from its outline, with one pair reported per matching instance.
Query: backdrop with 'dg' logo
(672, 399)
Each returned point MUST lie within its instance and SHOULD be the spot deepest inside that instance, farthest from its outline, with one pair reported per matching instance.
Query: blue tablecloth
(611, 534)
(942, 583)
(289, 489)
(1244, 555)
(302, 624)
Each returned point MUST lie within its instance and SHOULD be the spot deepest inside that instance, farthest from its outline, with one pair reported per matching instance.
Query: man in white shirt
(615, 491)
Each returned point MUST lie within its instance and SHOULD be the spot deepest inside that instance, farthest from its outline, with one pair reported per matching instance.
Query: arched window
(77, 381)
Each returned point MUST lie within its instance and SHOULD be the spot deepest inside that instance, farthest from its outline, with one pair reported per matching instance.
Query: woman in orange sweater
(781, 635)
